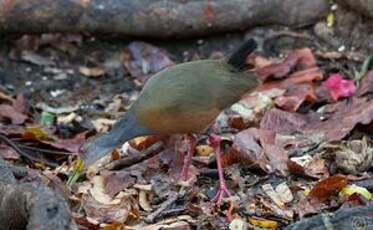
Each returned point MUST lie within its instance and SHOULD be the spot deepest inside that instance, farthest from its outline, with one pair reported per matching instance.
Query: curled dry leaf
(352, 157)
(300, 58)
(295, 95)
(100, 207)
(141, 143)
(91, 71)
(303, 76)
(72, 144)
(257, 148)
(270, 191)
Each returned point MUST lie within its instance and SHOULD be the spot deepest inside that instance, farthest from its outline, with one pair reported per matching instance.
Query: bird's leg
(223, 190)
(188, 158)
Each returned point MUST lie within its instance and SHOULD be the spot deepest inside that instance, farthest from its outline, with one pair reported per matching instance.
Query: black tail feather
(238, 58)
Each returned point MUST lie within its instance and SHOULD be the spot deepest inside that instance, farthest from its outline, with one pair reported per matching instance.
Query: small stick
(24, 154)
(47, 151)
(128, 161)
(170, 200)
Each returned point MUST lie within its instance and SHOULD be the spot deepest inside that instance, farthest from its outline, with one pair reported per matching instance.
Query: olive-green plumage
(184, 98)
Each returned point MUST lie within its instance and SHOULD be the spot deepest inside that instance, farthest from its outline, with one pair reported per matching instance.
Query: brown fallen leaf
(117, 181)
(321, 192)
(295, 95)
(324, 189)
(72, 144)
(141, 143)
(91, 71)
(366, 84)
(9, 112)
(100, 207)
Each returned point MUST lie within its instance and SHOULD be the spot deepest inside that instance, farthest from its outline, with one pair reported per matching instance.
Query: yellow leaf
(263, 223)
(351, 189)
(37, 132)
(330, 19)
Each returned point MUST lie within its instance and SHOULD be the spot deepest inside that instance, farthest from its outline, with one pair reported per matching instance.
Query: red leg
(188, 158)
(223, 190)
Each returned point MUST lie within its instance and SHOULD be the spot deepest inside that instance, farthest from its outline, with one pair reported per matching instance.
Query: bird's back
(187, 97)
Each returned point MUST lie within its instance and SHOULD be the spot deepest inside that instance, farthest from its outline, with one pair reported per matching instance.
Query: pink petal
(339, 87)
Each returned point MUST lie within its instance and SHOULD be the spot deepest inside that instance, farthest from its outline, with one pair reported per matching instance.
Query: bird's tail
(238, 58)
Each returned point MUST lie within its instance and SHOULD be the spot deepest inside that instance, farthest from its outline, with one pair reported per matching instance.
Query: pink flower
(339, 87)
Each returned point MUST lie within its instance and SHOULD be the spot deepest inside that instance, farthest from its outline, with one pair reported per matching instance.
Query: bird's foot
(222, 192)
(188, 158)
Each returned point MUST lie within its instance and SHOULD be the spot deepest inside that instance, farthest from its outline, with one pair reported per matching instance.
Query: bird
(182, 99)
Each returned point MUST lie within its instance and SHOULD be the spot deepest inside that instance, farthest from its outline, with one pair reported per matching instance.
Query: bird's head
(96, 148)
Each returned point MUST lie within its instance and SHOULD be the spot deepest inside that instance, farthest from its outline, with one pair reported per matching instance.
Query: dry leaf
(91, 71)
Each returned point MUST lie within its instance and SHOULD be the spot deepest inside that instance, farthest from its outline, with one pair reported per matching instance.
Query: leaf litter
(289, 153)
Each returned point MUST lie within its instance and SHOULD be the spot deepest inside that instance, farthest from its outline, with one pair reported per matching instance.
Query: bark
(363, 6)
(30, 205)
(154, 18)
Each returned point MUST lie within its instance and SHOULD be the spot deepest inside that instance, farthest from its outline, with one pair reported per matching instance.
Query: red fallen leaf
(275, 154)
(338, 119)
(301, 58)
(299, 77)
(237, 122)
(321, 192)
(283, 122)
(116, 181)
(324, 189)
(257, 149)
(72, 145)
(142, 59)
(339, 87)
(315, 169)
(295, 96)
(12, 114)
(366, 84)
(246, 149)
(295, 168)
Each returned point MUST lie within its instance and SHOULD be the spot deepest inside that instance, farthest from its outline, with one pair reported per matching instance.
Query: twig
(128, 161)
(47, 151)
(24, 154)
(171, 199)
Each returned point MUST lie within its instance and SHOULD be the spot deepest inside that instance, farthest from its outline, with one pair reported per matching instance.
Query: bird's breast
(164, 122)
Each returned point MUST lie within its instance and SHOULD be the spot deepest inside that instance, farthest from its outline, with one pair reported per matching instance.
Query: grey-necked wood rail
(181, 99)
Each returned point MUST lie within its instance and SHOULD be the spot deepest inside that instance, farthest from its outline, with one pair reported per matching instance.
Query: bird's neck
(125, 129)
